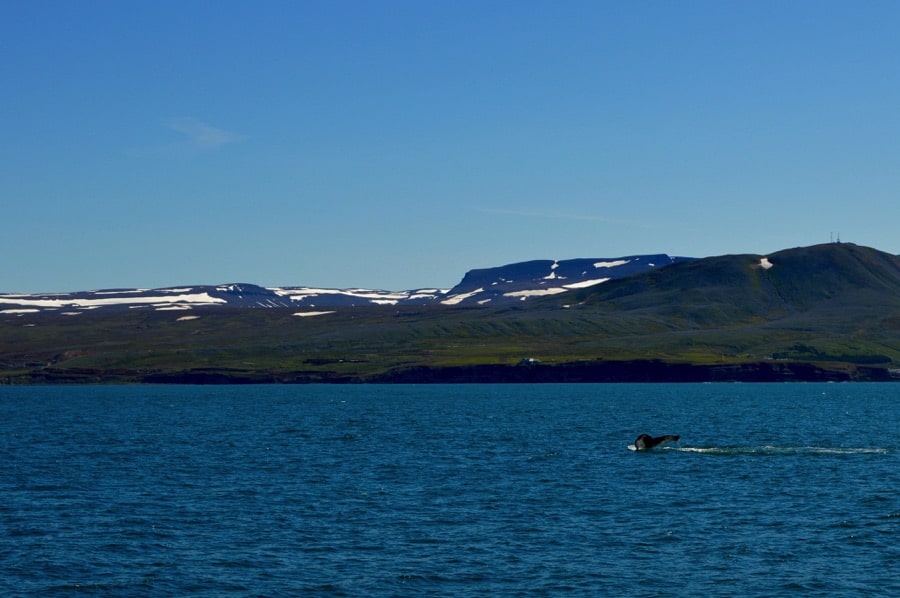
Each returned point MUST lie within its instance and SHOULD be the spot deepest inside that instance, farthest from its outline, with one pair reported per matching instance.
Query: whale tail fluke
(645, 441)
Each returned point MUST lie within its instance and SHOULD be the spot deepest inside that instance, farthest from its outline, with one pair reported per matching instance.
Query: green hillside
(834, 308)
(835, 302)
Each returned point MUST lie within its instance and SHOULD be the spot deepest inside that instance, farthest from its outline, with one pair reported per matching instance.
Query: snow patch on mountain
(535, 293)
(585, 283)
(95, 302)
(612, 264)
(457, 299)
(489, 286)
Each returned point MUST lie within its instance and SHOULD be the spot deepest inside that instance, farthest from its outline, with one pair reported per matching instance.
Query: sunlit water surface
(461, 490)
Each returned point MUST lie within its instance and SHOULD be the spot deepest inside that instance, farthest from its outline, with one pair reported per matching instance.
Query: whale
(645, 442)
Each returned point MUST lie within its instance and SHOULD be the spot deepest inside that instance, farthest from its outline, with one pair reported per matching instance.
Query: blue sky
(398, 144)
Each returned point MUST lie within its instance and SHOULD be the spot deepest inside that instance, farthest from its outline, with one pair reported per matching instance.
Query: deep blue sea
(459, 490)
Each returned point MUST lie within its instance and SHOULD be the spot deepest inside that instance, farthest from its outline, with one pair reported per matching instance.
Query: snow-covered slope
(518, 282)
(490, 286)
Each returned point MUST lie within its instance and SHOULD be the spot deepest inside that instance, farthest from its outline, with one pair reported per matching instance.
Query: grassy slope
(842, 300)
(832, 303)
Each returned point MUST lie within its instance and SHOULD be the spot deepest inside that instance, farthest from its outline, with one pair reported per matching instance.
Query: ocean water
(462, 490)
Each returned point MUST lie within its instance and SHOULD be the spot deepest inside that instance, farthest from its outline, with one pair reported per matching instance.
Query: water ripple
(452, 490)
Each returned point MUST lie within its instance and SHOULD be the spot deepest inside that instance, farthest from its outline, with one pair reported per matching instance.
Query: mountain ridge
(788, 280)
(499, 285)
(825, 312)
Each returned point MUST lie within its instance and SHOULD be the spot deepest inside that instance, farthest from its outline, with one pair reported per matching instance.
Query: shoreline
(631, 371)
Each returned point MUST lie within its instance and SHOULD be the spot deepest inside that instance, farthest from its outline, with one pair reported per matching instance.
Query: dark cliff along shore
(590, 372)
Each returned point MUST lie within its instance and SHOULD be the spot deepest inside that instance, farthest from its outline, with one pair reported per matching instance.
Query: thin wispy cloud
(201, 135)
(194, 137)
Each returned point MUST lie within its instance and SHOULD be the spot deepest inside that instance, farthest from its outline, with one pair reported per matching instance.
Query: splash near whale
(645, 442)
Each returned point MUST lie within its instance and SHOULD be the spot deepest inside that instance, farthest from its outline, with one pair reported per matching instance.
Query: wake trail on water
(776, 450)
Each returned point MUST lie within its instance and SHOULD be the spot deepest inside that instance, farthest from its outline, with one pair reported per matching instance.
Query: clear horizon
(397, 145)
